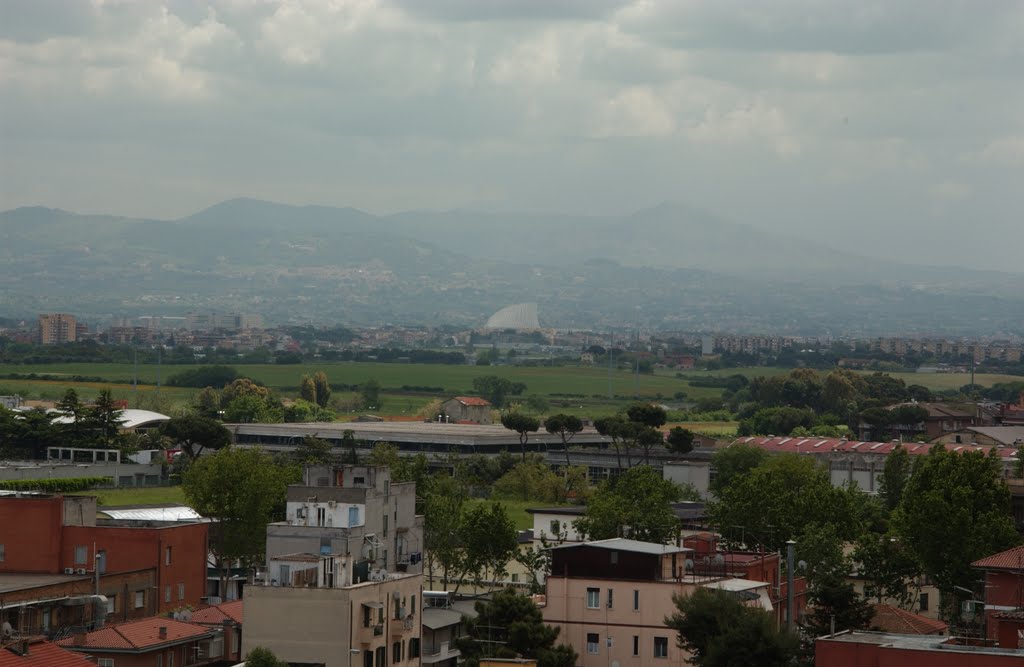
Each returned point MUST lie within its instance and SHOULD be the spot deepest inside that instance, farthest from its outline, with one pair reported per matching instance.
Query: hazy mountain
(669, 265)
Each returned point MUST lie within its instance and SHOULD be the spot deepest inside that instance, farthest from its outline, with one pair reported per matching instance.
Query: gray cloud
(850, 123)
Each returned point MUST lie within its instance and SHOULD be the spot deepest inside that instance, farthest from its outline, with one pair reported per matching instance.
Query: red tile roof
(893, 619)
(216, 614)
(42, 653)
(1011, 559)
(142, 635)
(816, 445)
(473, 400)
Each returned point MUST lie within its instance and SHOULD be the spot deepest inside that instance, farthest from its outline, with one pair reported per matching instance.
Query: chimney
(162, 631)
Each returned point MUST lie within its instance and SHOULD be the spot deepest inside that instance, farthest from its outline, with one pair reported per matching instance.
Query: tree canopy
(637, 505)
(195, 433)
(510, 625)
(497, 389)
(523, 424)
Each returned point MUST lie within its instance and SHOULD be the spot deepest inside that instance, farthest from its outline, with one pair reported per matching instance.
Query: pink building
(610, 598)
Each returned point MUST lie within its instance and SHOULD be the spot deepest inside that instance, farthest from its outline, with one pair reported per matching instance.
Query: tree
(954, 509)
(488, 540)
(262, 657)
(242, 387)
(253, 409)
(719, 630)
(302, 411)
(103, 421)
(323, 389)
(613, 427)
(369, 394)
(75, 431)
(522, 424)
(679, 440)
(733, 462)
(894, 477)
(240, 489)
(195, 433)
(637, 505)
(207, 403)
(497, 389)
(314, 451)
(890, 571)
(780, 499)
(510, 625)
(565, 427)
(307, 389)
(647, 414)
(777, 421)
(443, 499)
(30, 431)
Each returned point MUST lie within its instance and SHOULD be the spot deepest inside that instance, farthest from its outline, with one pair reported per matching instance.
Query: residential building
(109, 570)
(56, 328)
(227, 617)
(343, 573)
(889, 618)
(467, 409)
(610, 598)
(442, 625)
(1004, 585)
(37, 652)
(149, 642)
(998, 436)
(942, 418)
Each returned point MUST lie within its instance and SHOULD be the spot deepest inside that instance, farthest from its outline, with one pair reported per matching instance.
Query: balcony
(434, 653)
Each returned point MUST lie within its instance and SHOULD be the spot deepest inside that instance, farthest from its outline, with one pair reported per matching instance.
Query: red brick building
(149, 642)
(1004, 585)
(61, 567)
(883, 649)
(228, 617)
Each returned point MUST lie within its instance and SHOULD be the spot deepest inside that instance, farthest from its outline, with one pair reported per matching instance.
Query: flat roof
(634, 546)
(916, 642)
(568, 510)
(432, 432)
(168, 512)
(10, 582)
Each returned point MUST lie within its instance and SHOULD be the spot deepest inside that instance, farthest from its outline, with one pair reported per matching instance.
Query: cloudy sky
(893, 128)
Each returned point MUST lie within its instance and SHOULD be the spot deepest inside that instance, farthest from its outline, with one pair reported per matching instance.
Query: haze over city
(893, 130)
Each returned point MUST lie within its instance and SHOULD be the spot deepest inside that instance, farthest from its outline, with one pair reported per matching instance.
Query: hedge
(69, 485)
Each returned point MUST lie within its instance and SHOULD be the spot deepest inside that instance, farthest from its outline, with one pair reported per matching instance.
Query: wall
(566, 609)
(141, 548)
(30, 530)
(542, 526)
(148, 659)
(697, 474)
(851, 654)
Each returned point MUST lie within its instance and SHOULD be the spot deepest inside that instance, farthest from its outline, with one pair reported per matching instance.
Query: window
(159, 661)
(661, 647)
(609, 598)
(2, 553)
(923, 600)
(111, 604)
(387, 487)
(515, 577)
(353, 516)
(81, 555)
(140, 599)
(636, 600)
(170, 659)
(366, 617)
(412, 603)
(614, 558)
(385, 517)
(382, 656)
(396, 652)
(101, 561)
(286, 575)
(556, 527)
(414, 647)
(181, 591)
(321, 516)
(105, 662)
(167, 593)
(636, 644)
(593, 598)
(167, 556)
(593, 643)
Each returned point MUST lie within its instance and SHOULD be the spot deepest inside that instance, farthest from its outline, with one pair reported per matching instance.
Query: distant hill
(681, 267)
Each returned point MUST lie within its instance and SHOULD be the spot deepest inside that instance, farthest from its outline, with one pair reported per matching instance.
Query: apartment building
(56, 328)
(343, 577)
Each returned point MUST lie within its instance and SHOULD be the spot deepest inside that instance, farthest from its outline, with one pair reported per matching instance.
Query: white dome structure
(518, 316)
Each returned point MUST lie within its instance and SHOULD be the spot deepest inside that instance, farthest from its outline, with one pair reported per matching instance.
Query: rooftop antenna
(135, 375)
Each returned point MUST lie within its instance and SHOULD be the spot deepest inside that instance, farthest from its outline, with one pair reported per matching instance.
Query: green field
(141, 496)
(516, 510)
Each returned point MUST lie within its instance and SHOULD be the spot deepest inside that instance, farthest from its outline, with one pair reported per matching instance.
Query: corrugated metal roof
(634, 546)
(779, 444)
(167, 513)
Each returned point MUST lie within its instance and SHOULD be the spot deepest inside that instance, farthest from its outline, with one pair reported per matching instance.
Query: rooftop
(568, 510)
(138, 636)
(838, 445)
(915, 642)
(42, 653)
(893, 619)
(15, 582)
(216, 614)
(633, 546)
(472, 400)
(160, 512)
(1011, 559)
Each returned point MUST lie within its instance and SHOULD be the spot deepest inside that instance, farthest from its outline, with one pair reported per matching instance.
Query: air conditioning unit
(81, 570)
(69, 570)
(332, 504)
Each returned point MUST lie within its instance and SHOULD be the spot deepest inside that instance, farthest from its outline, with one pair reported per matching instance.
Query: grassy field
(516, 510)
(141, 496)
(933, 381)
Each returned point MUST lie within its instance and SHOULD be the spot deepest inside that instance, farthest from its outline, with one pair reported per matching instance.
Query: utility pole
(790, 557)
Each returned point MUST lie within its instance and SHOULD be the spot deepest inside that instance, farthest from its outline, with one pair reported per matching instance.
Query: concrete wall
(122, 474)
(30, 530)
(696, 474)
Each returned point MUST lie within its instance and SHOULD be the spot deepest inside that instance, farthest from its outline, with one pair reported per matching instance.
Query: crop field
(933, 381)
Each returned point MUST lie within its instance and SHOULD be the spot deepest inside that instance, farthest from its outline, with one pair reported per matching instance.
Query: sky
(891, 128)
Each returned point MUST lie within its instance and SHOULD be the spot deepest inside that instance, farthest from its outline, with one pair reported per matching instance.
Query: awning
(374, 605)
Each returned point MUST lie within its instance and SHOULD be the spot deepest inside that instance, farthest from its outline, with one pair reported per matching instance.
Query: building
(62, 569)
(610, 598)
(998, 436)
(1004, 585)
(228, 617)
(942, 418)
(442, 625)
(885, 649)
(57, 328)
(889, 618)
(150, 641)
(467, 409)
(37, 652)
(343, 572)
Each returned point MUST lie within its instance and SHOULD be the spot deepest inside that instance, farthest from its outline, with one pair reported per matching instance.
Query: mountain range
(670, 266)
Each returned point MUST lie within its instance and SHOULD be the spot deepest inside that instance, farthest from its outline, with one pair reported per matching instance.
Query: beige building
(343, 579)
(609, 599)
(57, 328)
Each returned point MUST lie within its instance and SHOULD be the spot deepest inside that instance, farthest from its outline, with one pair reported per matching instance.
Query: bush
(206, 376)
(69, 485)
